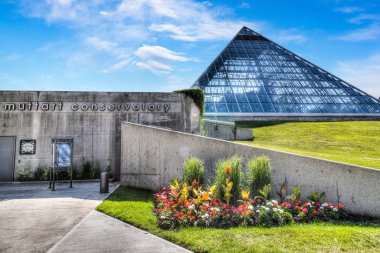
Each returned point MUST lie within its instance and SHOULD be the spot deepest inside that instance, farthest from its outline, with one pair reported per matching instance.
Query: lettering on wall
(83, 107)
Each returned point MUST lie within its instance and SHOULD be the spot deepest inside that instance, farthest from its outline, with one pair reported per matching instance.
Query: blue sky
(163, 45)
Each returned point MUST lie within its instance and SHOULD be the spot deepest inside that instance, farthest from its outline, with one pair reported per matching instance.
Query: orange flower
(228, 169)
(340, 206)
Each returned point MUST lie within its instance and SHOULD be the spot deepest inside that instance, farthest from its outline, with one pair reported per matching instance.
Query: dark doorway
(7, 158)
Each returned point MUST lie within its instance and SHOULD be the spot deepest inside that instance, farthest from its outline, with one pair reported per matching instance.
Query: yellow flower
(205, 196)
(245, 194)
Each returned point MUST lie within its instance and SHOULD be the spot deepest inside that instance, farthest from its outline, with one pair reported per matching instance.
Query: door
(7, 158)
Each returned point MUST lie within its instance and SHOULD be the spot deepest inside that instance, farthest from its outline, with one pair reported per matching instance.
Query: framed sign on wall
(63, 152)
(27, 147)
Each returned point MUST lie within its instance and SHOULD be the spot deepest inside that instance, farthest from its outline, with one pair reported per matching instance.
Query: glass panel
(253, 73)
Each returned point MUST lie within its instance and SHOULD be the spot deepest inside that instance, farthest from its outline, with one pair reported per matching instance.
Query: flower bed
(225, 204)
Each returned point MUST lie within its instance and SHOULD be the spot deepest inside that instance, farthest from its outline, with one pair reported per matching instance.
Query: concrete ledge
(154, 156)
(226, 130)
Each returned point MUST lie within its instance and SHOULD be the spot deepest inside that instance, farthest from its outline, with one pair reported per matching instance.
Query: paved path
(33, 218)
(101, 233)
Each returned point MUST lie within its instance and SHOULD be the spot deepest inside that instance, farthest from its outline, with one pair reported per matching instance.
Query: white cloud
(364, 17)
(151, 57)
(155, 67)
(364, 74)
(11, 57)
(290, 36)
(369, 33)
(113, 32)
(117, 66)
(349, 9)
(148, 52)
(244, 5)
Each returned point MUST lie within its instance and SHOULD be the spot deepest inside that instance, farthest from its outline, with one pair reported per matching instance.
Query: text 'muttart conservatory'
(254, 77)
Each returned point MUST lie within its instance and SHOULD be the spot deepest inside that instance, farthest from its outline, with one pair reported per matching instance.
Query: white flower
(274, 209)
(205, 216)
(266, 209)
(191, 207)
(162, 217)
(263, 207)
(335, 209)
(250, 207)
(257, 211)
(281, 211)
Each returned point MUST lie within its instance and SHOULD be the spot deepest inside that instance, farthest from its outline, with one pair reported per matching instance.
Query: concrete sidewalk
(33, 218)
(101, 233)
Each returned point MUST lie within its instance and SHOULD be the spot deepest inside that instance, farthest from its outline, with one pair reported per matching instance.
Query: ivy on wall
(198, 97)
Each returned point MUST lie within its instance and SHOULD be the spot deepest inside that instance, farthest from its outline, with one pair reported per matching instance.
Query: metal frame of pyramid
(254, 76)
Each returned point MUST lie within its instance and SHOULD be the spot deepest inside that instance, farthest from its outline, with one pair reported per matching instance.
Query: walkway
(33, 218)
(101, 233)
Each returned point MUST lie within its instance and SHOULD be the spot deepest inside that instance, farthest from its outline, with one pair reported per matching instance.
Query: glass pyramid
(254, 75)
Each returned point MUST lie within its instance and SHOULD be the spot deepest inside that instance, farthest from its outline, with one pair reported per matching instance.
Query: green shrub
(86, 171)
(24, 175)
(109, 170)
(41, 173)
(193, 170)
(258, 174)
(228, 171)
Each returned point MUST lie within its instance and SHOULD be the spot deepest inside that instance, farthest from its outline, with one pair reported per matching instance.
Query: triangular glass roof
(255, 75)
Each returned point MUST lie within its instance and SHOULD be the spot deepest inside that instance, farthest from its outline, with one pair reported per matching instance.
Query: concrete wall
(96, 132)
(150, 157)
(226, 131)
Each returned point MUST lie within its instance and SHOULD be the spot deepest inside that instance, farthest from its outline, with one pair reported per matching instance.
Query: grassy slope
(356, 142)
(135, 207)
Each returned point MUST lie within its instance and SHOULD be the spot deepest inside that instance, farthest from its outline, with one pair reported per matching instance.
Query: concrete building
(86, 124)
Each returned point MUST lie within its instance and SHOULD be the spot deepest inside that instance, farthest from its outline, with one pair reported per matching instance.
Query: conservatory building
(254, 78)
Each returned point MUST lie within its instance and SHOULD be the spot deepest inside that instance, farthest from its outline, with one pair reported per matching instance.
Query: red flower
(228, 169)
(305, 210)
(228, 215)
(212, 213)
(225, 206)
(315, 212)
(340, 206)
(215, 202)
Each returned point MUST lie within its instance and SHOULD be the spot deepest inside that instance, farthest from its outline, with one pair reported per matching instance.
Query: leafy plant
(228, 170)
(41, 173)
(265, 192)
(86, 171)
(109, 170)
(24, 175)
(296, 195)
(281, 193)
(184, 192)
(316, 197)
(193, 169)
(258, 174)
(227, 190)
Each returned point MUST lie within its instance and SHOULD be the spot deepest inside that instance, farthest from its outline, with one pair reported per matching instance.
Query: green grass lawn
(135, 207)
(356, 142)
